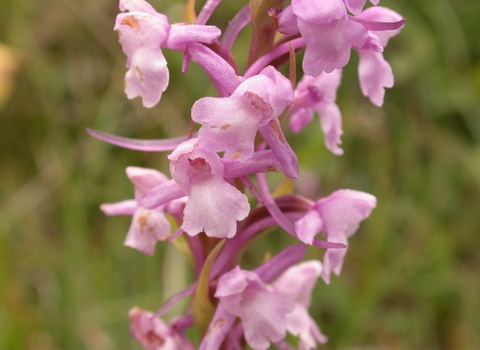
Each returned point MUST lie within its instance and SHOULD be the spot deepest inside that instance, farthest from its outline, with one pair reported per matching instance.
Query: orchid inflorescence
(239, 140)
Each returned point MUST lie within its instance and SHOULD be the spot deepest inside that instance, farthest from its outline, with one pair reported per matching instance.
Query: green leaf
(201, 306)
(180, 243)
(285, 188)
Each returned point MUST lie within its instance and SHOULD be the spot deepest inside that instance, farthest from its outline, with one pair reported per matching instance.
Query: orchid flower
(229, 124)
(298, 283)
(262, 310)
(267, 311)
(148, 226)
(150, 331)
(213, 204)
(338, 216)
(143, 32)
(318, 95)
(328, 31)
(374, 72)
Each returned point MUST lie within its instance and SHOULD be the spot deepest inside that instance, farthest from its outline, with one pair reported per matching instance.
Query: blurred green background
(411, 279)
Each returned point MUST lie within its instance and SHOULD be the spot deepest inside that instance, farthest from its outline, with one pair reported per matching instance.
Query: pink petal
(263, 312)
(126, 208)
(331, 122)
(190, 159)
(318, 94)
(270, 86)
(220, 325)
(149, 330)
(233, 282)
(300, 119)
(264, 319)
(325, 13)
(144, 180)
(228, 124)
(137, 29)
(273, 135)
(383, 16)
(309, 226)
(380, 26)
(299, 280)
(355, 6)
(373, 43)
(139, 145)
(162, 194)
(214, 207)
(218, 69)
(147, 228)
(137, 5)
(343, 211)
(330, 50)
(333, 258)
(184, 34)
(286, 21)
(311, 91)
(278, 93)
(148, 76)
(300, 324)
(259, 162)
(375, 75)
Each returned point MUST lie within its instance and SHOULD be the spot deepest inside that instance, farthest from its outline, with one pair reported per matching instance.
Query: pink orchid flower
(143, 32)
(148, 226)
(318, 95)
(338, 216)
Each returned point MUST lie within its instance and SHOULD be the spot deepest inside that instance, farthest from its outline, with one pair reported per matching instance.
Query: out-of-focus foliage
(412, 275)
(8, 65)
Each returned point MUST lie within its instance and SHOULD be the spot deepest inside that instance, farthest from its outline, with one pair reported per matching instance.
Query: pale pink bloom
(142, 33)
(262, 310)
(338, 216)
(298, 283)
(230, 124)
(328, 32)
(214, 206)
(268, 312)
(239, 281)
(374, 72)
(148, 226)
(150, 331)
(318, 95)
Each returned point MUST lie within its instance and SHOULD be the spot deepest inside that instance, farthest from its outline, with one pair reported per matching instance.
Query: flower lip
(198, 166)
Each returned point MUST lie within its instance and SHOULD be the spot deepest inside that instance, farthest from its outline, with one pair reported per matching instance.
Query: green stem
(264, 28)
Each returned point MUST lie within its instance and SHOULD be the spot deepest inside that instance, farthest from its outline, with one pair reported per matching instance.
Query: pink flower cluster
(239, 140)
